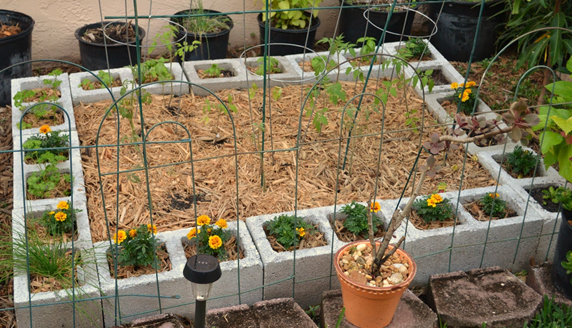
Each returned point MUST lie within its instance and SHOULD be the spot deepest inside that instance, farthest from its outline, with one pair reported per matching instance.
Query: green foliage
(521, 162)
(551, 316)
(413, 48)
(137, 249)
(55, 83)
(41, 184)
(221, 108)
(213, 71)
(289, 230)
(103, 75)
(568, 264)
(272, 65)
(356, 220)
(153, 69)
(205, 240)
(202, 25)
(295, 19)
(493, 205)
(38, 144)
(57, 224)
(556, 140)
(559, 195)
(276, 93)
(433, 208)
(40, 111)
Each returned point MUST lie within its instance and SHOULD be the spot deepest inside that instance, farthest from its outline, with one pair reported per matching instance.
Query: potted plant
(115, 47)
(16, 43)
(371, 288)
(289, 26)
(354, 25)
(212, 31)
(457, 25)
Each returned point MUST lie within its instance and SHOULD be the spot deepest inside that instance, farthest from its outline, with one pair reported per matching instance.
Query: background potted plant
(211, 31)
(289, 26)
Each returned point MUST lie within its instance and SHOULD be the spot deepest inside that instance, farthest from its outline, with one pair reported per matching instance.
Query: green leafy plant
(221, 109)
(153, 70)
(493, 205)
(40, 111)
(201, 25)
(40, 147)
(337, 46)
(294, 19)
(272, 65)
(210, 238)
(61, 220)
(54, 83)
(136, 247)
(107, 79)
(521, 162)
(466, 95)
(413, 48)
(289, 230)
(213, 71)
(41, 184)
(433, 208)
(559, 195)
(551, 315)
(356, 220)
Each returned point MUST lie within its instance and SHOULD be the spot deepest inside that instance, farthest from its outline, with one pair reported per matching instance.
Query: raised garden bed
(238, 79)
(80, 95)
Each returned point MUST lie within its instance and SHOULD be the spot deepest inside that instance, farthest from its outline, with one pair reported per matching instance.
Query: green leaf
(561, 88)
(549, 139)
(565, 125)
(284, 5)
(569, 64)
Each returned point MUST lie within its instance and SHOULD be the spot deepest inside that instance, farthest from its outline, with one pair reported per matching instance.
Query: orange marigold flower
(454, 85)
(215, 242)
(120, 236)
(193, 233)
(61, 216)
(437, 198)
(63, 205)
(431, 202)
(203, 220)
(44, 129)
(132, 233)
(495, 195)
(221, 223)
(471, 84)
(152, 228)
(301, 232)
(375, 207)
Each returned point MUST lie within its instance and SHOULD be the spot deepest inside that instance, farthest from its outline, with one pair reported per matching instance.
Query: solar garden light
(202, 271)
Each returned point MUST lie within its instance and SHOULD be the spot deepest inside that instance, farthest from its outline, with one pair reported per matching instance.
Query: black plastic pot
(457, 26)
(560, 279)
(292, 36)
(93, 54)
(354, 26)
(213, 45)
(15, 49)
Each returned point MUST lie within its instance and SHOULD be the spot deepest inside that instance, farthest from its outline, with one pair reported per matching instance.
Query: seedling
(521, 162)
(413, 48)
(559, 195)
(289, 230)
(213, 71)
(107, 79)
(41, 111)
(42, 183)
(272, 66)
(493, 205)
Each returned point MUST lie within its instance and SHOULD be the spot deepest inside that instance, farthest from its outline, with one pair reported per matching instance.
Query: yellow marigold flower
(471, 84)
(209, 230)
(132, 233)
(120, 236)
(431, 202)
(221, 223)
(495, 195)
(45, 129)
(465, 96)
(193, 233)
(301, 232)
(152, 228)
(61, 216)
(203, 220)
(63, 205)
(437, 198)
(215, 242)
(375, 207)
(454, 85)
(52, 213)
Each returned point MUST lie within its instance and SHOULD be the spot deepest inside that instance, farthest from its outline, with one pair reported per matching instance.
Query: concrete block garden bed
(238, 79)
(80, 95)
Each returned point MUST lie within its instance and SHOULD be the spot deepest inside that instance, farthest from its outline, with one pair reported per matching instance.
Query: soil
(306, 66)
(62, 189)
(117, 32)
(42, 232)
(131, 271)
(213, 177)
(52, 119)
(9, 30)
(310, 240)
(229, 246)
(439, 78)
(419, 223)
(536, 193)
(476, 210)
(253, 69)
(150, 79)
(94, 85)
(223, 73)
(40, 284)
(43, 92)
(346, 236)
(426, 57)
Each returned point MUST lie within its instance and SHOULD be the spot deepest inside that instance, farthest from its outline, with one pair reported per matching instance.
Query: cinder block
(450, 74)
(174, 87)
(225, 291)
(309, 77)
(60, 314)
(238, 81)
(312, 266)
(431, 51)
(287, 76)
(79, 95)
(64, 103)
(378, 70)
(137, 297)
(72, 166)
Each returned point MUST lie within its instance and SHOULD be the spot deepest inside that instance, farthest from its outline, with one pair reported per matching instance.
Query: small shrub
(433, 208)
(213, 71)
(289, 229)
(210, 238)
(356, 220)
(521, 162)
(136, 247)
(61, 220)
(492, 204)
(551, 316)
(413, 48)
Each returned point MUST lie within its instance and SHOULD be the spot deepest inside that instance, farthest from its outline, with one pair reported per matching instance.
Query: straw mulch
(172, 189)
(476, 210)
(347, 236)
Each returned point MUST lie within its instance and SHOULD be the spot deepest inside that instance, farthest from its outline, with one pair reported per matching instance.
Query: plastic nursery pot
(213, 45)
(367, 306)
(560, 279)
(457, 25)
(354, 26)
(292, 36)
(93, 54)
(15, 49)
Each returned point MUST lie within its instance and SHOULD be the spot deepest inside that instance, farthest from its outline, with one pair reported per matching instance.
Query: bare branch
(370, 224)
(475, 138)
(393, 250)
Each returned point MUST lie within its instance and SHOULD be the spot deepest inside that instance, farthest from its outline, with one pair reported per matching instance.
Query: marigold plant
(289, 229)
(210, 238)
(61, 220)
(466, 95)
(35, 146)
(493, 205)
(433, 208)
(356, 220)
(136, 248)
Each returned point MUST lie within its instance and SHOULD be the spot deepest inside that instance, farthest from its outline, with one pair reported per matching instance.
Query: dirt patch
(420, 224)
(230, 247)
(9, 30)
(184, 202)
(310, 240)
(538, 196)
(131, 271)
(223, 73)
(52, 118)
(439, 78)
(476, 210)
(43, 93)
(117, 32)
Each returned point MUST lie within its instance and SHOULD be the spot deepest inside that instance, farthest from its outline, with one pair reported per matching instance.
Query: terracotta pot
(371, 307)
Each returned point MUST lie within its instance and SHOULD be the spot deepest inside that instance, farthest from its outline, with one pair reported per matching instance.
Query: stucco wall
(57, 20)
